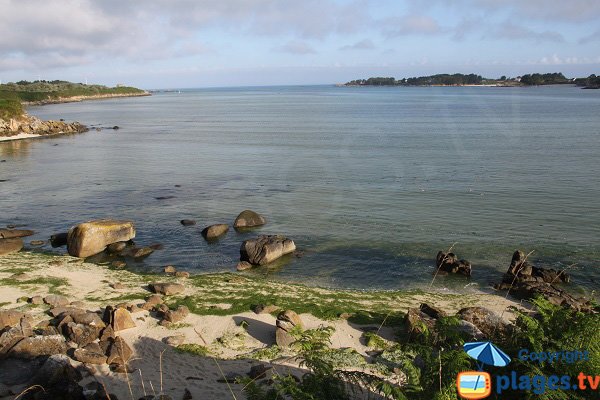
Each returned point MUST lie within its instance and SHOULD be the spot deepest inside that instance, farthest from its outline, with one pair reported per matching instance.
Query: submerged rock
(249, 219)
(213, 232)
(449, 263)
(92, 237)
(266, 249)
(15, 233)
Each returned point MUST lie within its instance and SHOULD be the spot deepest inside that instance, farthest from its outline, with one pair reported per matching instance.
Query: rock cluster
(32, 125)
(249, 219)
(527, 281)
(476, 323)
(450, 264)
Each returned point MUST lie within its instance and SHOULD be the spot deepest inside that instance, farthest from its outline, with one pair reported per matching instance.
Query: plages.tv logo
(474, 385)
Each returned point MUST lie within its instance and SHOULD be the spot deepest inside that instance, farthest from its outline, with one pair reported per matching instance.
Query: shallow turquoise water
(370, 182)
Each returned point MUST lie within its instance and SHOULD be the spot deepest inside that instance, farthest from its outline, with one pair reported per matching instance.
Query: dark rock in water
(164, 197)
(522, 271)
(15, 233)
(286, 321)
(8, 246)
(115, 127)
(449, 263)
(213, 232)
(58, 239)
(265, 249)
(116, 248)
(138, 252)
(156, 246)
(187, 222)
(249, 219)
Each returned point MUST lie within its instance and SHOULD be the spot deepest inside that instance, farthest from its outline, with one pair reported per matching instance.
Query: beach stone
(8, 246)
(37, 242)
(92, 237)
(286, 321)
(118, 264)
(36, 346)
(55, 300)
(15, 233)
(258, 371)
(266, 249)
(93, 347)
(89, 357)
(167, 288)
(213, 232)
(58, 378)
(243, 265)
(81, 334)
(116, 248)
(449, 263)
(58, 239)
(187, 222)
(177, 315)
(249, 219)
(10, 318)
(169, 269)
(88, 318)
(487, 321)
(182, 274)
(264, 309)
(174, 340)
(118, 318)
(106, 334)
(119, 351)
(419, 322)
(432, 311)
(37, 300)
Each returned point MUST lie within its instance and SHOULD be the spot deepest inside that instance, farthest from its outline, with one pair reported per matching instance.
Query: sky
(210, 43)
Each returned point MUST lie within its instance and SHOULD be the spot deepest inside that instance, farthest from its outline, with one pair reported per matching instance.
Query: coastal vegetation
(13, 94)
(534, 79)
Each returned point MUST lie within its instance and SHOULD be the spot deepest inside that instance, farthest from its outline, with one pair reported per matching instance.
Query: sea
(370, 182)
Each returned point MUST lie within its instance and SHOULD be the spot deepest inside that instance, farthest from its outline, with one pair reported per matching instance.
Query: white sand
(19, 136)
(90, 283)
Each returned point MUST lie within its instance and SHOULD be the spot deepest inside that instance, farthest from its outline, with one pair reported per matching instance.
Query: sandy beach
(228, 343)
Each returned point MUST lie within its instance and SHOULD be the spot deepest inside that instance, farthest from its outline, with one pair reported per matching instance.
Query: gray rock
(249, 219)
(36, 346)
(174, 340)
(188, 222)
(286, 321)
(266, 249)
(58, 239)
(89, 357)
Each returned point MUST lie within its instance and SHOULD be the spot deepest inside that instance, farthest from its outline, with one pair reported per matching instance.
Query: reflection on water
(369, 182)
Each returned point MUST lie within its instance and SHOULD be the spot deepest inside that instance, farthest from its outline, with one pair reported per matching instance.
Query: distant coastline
(473, 80)
(74, 99)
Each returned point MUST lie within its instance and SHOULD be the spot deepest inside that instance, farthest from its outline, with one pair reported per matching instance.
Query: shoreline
(76, 99)
(218, 303)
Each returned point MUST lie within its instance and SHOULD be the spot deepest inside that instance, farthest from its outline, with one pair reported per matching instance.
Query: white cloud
(295, 47)
(366, 44)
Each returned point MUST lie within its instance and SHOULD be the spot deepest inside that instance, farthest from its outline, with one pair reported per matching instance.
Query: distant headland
(14, 121)
(535, 79)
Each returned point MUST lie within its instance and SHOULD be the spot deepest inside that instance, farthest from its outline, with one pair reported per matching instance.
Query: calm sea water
(369, 182)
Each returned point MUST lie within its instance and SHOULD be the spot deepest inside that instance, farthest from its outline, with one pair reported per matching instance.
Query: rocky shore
(74, 99)
(29, 125)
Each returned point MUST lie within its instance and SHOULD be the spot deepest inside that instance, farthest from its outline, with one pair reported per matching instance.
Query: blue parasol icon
(486, 353)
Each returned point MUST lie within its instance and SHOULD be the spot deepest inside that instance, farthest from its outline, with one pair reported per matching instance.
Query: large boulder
(249, 219)
(92, 237)
(487, 321)
(265, 249)
(286, 321)
(520, 270)
(213, 232)
(8, 246)
(10, 318)
(36, 346)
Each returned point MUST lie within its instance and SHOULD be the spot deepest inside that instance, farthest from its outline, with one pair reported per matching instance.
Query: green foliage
(375, 341)
(266, 354)
(10, 105)
(193, 349)
(439, 79)
(544, 79)
(592, 82)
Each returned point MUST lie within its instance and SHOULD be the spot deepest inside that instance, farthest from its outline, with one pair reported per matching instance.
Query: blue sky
(200, 43)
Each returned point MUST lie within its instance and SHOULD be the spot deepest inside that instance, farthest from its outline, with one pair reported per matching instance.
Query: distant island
(14, 120)
(535, 79)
